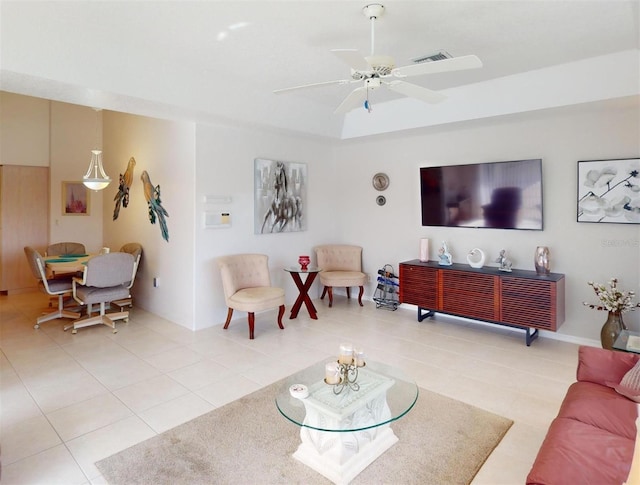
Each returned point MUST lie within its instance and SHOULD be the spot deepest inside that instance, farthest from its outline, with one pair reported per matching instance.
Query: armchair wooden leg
(229, 313)
(252, 321)
(330, 291)
(280, 313)
(360, 295)
(324, 292)
(348, 292)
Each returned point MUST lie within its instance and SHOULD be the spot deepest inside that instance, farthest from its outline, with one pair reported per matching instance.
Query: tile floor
(68, 401)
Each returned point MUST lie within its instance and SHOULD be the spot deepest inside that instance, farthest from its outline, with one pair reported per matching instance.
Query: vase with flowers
(615, 302)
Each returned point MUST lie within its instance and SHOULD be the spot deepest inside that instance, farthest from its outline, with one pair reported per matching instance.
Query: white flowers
(612, 299)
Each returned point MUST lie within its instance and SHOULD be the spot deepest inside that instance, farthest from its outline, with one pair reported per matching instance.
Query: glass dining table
(65, 264)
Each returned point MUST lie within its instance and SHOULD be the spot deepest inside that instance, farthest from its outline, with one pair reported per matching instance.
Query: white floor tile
(27, 438)
(86, 416)
(149, 393)
(53, 466)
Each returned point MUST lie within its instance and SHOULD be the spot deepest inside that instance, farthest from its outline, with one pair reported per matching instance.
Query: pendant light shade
(96, 178)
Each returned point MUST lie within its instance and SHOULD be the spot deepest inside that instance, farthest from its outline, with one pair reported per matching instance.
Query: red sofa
(591, 440)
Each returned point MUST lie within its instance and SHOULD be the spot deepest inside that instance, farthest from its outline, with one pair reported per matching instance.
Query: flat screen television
(499, 195)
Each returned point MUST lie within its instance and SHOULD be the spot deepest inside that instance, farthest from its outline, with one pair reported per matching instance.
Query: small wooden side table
(303, 288)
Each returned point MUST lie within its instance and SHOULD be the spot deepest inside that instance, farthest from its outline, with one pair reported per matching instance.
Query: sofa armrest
(605, 367)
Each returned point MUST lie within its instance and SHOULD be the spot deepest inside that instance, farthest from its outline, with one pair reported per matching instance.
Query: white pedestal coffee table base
(340, 463)
(340, 455)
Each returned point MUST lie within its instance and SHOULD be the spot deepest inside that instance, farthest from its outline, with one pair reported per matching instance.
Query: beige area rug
(441, 441)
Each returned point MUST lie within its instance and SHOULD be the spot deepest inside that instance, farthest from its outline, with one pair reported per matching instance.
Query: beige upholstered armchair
(247, 287)
(58, 249)
(106, 278)
(58, 287)
(341, 266)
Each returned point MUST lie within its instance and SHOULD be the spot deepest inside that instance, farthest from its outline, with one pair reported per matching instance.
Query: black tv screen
(502, 195)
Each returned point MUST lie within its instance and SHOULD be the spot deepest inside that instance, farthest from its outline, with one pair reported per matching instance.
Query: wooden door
(24, 221)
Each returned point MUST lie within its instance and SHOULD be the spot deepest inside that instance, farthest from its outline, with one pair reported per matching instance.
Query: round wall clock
(380, 181)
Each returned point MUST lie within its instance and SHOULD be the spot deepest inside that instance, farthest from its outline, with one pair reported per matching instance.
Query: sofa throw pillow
(630, 384)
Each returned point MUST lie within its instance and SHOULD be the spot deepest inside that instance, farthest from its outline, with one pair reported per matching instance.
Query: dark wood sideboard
(521, 299)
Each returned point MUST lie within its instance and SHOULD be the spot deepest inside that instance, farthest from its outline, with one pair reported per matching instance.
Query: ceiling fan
(374, 71)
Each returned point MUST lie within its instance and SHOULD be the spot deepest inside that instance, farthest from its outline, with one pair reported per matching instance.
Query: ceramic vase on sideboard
(611, 329)
(541, 260)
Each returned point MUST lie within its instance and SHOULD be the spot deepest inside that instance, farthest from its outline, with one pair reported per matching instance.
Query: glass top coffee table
(628, 341)
(341, 434)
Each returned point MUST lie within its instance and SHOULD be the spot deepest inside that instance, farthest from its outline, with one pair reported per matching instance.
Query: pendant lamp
(96, 178)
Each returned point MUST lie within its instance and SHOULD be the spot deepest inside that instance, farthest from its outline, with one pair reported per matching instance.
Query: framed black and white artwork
(609, 191)
(280, 198)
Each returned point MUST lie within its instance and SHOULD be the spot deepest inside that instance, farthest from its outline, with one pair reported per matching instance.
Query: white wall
(561, 137)
(225, 164)
(166, 150)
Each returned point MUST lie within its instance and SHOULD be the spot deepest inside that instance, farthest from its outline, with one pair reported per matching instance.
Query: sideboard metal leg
(531, 336)
(422, 316)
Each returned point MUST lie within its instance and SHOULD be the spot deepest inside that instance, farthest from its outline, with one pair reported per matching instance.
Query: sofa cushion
(572, 451)
(601, 407)
(603, 366)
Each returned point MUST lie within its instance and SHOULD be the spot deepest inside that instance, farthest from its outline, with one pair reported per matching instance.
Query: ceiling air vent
(436, 56)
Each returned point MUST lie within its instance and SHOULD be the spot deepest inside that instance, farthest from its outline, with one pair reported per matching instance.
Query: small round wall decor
(380, 181)
(381, 200)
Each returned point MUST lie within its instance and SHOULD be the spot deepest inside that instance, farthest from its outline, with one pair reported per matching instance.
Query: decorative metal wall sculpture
(152, 194)
(122, 197)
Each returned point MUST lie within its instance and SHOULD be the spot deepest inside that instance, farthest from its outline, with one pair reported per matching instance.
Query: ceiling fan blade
(355, 98)
(417, 92)
(446, 65)
(313, 85)
(353, 59)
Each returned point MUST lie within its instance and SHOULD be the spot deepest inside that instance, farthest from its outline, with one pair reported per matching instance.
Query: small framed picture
(609, 191)
(75, 199)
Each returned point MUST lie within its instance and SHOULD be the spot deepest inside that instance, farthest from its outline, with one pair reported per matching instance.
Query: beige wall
(24, 130)
(166, 150)
(39, 132)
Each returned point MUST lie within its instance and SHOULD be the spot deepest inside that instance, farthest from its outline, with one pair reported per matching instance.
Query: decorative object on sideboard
(380, 181)
(304, 262)
(504, 262)
(444, 255)
(608, 191)
(424, 250)
(381, 200)
(476, 258)
(615, 302)
(541, 260)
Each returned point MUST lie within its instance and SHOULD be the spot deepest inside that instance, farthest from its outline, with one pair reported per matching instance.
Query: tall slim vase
(541, 260)
(611, 329)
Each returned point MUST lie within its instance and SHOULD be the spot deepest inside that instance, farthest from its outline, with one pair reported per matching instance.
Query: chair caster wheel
(115, 331)
(36, 326)
(125, 320)
(74, 331)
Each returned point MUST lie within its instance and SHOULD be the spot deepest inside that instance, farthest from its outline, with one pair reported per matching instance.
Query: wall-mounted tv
(502, 195)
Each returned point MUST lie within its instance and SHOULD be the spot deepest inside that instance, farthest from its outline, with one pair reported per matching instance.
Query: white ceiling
(211, 60)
